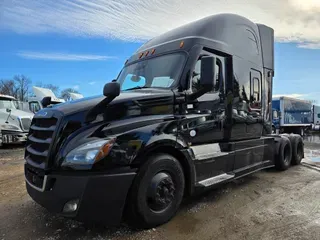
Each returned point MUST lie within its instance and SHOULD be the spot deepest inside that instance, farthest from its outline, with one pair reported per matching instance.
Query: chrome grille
(25, 123)
(40, 139)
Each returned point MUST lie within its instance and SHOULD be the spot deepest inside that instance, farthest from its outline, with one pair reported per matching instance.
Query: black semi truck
(190, 110)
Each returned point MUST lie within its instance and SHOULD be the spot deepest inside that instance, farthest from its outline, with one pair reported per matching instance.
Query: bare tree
(22, 83)
(65, 94)
(54, 88)
(8, 87)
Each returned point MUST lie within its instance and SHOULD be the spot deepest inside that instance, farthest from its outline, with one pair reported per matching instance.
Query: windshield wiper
(137, 87)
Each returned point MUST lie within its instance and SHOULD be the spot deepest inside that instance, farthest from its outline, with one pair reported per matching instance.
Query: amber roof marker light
(181, 44)
(153, 51)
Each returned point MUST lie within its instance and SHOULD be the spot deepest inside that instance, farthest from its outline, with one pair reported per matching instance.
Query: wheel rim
(161, 192)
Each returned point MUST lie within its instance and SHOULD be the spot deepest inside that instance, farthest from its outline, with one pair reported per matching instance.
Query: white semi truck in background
(36, 102)
(14, 123)
(16, 116)
(44, 97)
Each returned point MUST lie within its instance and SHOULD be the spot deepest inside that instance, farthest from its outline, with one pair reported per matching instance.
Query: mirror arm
(97, 109)
(195, 95)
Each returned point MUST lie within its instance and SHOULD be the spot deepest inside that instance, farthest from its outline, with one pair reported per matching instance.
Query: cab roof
(228, 33)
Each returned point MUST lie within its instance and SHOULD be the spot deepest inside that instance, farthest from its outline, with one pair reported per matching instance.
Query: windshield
(7, 103)
(163, 72)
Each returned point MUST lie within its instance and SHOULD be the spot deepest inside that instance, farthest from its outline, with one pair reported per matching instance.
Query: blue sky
(84, 44)
(36, 57)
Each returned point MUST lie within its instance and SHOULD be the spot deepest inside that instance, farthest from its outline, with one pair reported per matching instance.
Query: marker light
(141, 55)
(147, 53)
(181, 44)
(153, 51)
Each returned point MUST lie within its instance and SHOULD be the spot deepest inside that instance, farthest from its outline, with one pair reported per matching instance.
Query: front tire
(156, 193)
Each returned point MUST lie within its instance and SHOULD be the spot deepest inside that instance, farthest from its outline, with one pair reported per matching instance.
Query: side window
(34, 107)
(255, 98)
(132, 81)
(195, 78)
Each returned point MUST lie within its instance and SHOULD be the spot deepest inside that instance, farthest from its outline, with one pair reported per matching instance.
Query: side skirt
(228, 177)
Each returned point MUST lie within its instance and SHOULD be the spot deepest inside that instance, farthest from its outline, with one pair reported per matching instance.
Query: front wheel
(156, 193)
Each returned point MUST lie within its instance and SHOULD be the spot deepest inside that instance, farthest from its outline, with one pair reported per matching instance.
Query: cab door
(204, 125)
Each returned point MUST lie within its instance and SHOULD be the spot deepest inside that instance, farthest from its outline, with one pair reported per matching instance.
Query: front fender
(137, 142)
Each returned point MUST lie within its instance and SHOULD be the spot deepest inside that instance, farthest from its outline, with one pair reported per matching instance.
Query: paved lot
(266, 205)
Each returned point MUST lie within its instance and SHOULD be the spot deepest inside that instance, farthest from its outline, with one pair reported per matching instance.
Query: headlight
(8, 127)
(89, 153)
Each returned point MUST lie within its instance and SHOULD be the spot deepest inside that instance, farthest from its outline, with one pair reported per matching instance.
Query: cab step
(215, 180)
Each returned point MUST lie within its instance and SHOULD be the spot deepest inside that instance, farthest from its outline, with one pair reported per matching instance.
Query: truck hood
(15, 113)
(87, 103)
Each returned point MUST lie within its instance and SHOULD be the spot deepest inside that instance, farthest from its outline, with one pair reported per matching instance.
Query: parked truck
(42, 97)
(191, 109)
(291, 115)
(14, 123)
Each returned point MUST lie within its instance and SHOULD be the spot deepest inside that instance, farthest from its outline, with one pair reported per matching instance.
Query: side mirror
(46, 101)
(111, 89)
(8, 110)
(208, 73)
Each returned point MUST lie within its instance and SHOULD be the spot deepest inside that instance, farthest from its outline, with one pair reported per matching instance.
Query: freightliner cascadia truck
(191, 109)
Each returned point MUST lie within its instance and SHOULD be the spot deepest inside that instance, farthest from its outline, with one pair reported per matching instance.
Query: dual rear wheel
(290, 152)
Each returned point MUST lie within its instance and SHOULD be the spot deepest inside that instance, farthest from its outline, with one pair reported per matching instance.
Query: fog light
(71, 206)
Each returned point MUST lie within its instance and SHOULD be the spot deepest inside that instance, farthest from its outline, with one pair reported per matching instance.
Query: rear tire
(297, 150)
(284, 155)
(156, 193)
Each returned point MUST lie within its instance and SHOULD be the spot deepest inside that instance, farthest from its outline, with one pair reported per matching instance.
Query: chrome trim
(21, 124)
(35, 187)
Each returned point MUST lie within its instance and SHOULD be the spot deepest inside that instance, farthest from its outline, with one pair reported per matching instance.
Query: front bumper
(13, 137)
(101, 197)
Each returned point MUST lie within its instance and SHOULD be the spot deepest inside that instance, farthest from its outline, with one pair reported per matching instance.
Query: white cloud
(306, 96)
(293, 95)
(92, 83)
(62, 56)
(139, 20)
(309, 45)
(76, 87)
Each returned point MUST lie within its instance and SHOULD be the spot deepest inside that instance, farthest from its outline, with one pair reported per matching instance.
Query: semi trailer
(190, 110)
(291, 115)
